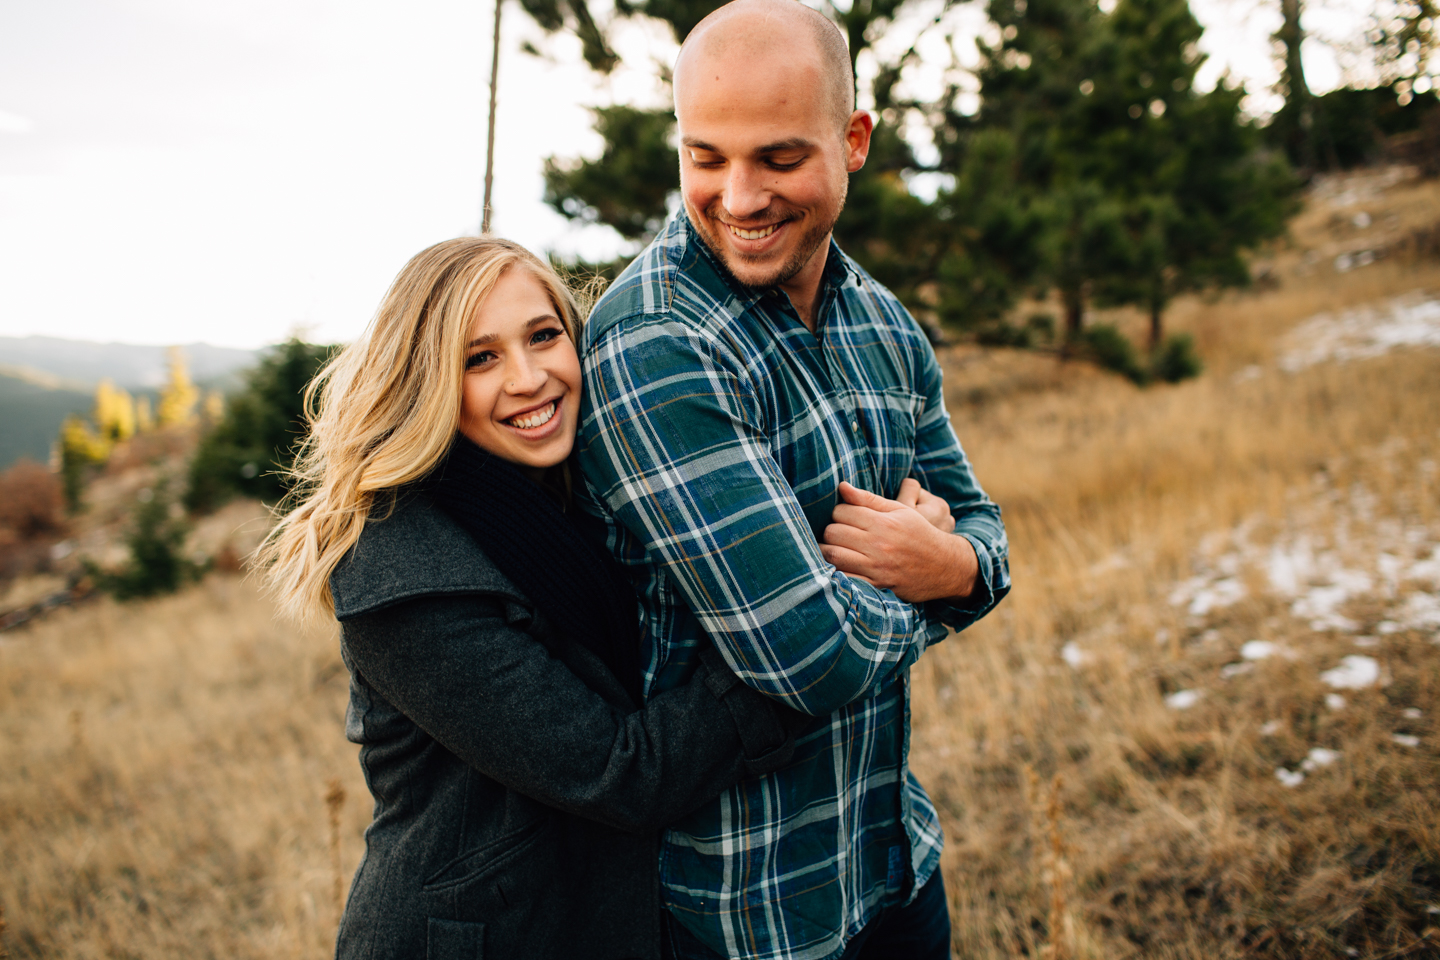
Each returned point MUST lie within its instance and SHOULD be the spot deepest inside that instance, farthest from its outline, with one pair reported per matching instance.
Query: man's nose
(745, 191)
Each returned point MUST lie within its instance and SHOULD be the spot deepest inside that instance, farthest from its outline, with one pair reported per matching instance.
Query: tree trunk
(1074, 301)
(1157, 308)
(490, 139)
(1297, 92)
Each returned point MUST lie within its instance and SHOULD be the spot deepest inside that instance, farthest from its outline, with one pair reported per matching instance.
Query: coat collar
(413, 551)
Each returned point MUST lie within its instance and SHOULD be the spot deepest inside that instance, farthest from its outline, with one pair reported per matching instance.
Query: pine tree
(1194, 187)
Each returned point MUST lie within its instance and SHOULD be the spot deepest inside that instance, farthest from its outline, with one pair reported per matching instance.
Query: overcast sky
(181, 170)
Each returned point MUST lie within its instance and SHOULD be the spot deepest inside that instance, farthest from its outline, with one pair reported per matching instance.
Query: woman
(493, 651)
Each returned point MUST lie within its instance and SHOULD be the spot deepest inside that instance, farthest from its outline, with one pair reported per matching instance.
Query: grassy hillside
(31, 411)
(1203, 725)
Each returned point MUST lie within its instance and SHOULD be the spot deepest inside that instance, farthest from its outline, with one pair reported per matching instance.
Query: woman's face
(521, 393)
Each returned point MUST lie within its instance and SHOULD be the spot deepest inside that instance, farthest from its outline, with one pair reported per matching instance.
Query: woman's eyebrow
(529, 325)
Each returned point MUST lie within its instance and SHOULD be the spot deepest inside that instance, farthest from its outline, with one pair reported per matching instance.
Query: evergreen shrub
(1111, 349)
(1176, 359)
(157, 562)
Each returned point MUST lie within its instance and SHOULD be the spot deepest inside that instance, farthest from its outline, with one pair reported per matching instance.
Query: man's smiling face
(764, 159)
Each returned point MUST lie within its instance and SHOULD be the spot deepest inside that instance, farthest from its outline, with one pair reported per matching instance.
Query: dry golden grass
(166, 768)
(168, 764)
(1172, 836)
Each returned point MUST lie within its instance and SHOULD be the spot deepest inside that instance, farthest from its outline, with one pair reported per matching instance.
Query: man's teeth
(754, 234)
(536, 419)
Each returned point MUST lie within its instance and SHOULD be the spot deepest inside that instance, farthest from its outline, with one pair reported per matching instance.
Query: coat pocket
(490, 859)
(454, 940)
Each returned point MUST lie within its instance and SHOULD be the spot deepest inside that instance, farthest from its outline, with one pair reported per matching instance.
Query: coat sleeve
(464, 669)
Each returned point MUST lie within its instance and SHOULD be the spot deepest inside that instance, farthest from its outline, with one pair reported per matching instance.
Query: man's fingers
(862, 517)
(864, 498)
(845, 535)
(847, 561)
(910, 492)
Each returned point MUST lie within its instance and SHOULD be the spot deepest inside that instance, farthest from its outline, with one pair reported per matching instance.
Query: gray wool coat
(519, 793)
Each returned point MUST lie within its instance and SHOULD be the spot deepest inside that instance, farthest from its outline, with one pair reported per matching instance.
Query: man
(736, 373)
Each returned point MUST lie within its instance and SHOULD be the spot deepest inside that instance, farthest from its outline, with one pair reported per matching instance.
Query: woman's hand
(929, 506)
(903, 545)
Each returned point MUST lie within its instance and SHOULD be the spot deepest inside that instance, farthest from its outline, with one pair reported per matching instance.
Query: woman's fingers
(910, 492)
(935, 510)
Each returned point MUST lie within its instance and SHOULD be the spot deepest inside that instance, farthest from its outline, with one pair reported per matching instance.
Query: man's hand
(895, 546)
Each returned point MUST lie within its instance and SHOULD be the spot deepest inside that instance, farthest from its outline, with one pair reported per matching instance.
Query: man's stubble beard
(809, 243)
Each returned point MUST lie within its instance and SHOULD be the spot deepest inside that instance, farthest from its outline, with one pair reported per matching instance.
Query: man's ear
(857, 139)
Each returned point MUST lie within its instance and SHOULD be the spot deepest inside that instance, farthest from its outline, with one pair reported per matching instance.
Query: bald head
(749, 30)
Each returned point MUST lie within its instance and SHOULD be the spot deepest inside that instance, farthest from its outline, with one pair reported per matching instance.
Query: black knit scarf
(579, 587)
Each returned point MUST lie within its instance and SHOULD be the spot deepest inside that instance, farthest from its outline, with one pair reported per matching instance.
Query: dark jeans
(920, 931)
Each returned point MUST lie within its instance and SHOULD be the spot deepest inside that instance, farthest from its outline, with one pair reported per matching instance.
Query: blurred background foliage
(1093, 171)
(246, 451)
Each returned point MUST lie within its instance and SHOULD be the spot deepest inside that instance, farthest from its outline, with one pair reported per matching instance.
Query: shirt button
(855, 425)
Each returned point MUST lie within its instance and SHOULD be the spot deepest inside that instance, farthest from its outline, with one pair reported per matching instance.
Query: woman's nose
(523, 375)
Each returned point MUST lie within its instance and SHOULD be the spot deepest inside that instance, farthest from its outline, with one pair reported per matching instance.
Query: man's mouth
(535, 418)
(759, 234)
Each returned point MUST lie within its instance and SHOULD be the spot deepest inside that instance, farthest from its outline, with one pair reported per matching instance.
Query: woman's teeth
(754, 234)
(532, 420)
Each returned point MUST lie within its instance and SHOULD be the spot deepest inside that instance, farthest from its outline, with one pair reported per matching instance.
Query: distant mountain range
(128, 365)
(45, 379)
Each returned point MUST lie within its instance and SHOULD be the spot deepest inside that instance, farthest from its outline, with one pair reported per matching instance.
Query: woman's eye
(478, 359)
(546, 335)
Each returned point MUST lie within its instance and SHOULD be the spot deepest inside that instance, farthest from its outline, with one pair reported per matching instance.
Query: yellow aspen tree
(114, 412)
(179, 395)
(144, 418)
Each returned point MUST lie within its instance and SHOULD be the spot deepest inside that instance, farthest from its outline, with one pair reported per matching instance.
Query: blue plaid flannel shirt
(715, 429)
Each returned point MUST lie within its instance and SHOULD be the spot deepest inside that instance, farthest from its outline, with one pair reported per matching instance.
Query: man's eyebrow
(529, 325)
(790, 143)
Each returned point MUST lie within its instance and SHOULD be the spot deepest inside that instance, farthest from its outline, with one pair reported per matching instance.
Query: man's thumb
(853, 495)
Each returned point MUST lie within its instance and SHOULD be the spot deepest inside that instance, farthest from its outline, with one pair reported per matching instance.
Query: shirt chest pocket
(890, 419)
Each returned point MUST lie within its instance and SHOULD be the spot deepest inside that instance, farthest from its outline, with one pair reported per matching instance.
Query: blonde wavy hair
(385, 410)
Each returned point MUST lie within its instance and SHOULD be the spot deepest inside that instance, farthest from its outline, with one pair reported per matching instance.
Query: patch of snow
(1259, 650)
(1364, 331)
(1235, 669)
(1334, 701)
(1271, 727)
(1412, 713)
(1203, 595)
(1182, 699)
(1421, 612)
(1073, 655)
(1356, 672)
(1367, 641)
(1426, 569)
(1319, 757)
(1405, 739)
(1320, 604)
(1289, 778)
